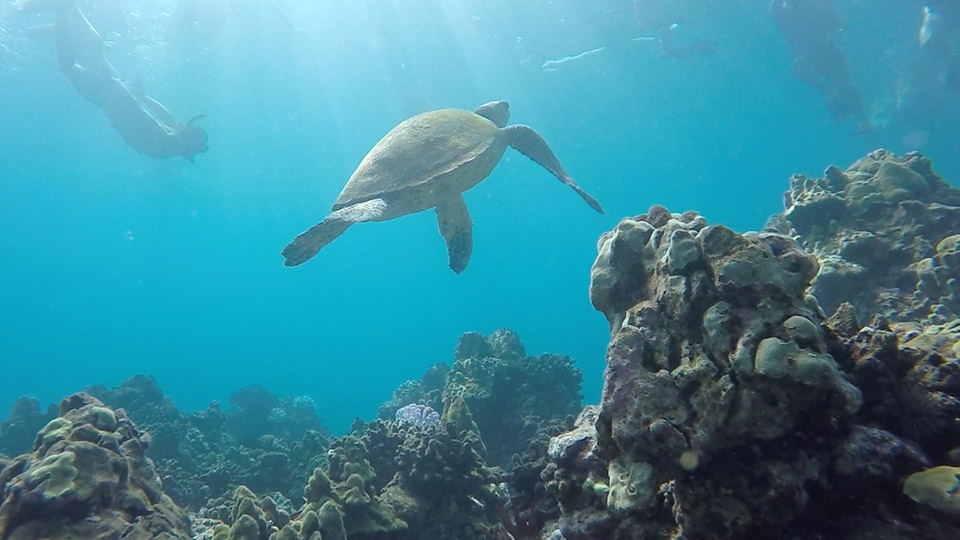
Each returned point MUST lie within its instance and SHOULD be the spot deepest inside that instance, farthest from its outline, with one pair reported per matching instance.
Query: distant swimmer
(939, 36)
(667, 18)
(809, 27)
(671, 47)
(941, 19)
(143, 122)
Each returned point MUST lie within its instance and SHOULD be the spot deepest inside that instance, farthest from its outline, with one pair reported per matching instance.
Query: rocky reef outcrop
(87, 477)
(732, 408)
(887, 234)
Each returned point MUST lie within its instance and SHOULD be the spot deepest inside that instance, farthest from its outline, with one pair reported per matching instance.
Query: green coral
(286, 533)
(457, 412)
(899, 183)
(56, 430)
(59, 471)
(245, 528)
(310, 524)
(353, 491)
(221, 532)
(103, 418)
(331, 522)
(360, 510)
(244, 503)
(937, 488)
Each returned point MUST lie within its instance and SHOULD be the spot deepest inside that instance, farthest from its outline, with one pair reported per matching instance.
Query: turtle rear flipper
(457, 229)
(528, 142)
(307, 244)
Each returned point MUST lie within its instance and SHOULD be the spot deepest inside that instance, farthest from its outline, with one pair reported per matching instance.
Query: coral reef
(424, 480)
(427, 391)
(733, 407)
(886, 234)
(388, 479)
(87, 477)
(263, 442)
(730, 408)
(510, 395)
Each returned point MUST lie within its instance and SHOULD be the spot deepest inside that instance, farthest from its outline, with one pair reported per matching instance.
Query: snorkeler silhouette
(143, 123)
(939, 34)
(809, 27)
(667, 17)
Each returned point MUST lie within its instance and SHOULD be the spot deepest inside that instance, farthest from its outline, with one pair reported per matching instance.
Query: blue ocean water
(116, 263)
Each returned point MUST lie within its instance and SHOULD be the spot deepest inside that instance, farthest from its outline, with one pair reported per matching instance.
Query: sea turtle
(428, 161)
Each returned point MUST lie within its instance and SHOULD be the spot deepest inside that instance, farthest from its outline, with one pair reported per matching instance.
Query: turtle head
(497, 112)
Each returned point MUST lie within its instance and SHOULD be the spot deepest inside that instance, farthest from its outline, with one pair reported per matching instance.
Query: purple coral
(418, 415)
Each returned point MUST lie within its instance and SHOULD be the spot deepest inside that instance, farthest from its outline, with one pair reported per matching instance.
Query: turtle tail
(528, 142)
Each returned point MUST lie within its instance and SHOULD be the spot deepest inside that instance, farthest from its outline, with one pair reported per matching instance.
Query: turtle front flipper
(457, 229)
(307, 244)
(528, 142)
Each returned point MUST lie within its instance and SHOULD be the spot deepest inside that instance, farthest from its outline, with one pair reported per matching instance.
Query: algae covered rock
(717, 365)
(733, 408)
(87, 477)
(885, 231)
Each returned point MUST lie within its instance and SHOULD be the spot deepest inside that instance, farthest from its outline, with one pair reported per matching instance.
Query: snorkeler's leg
(78, 43)
(81, 56)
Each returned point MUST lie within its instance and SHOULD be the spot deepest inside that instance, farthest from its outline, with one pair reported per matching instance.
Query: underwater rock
(580, 443)
(733, 408)
(885, 232)
(509, 394)
(19, 430)
(717, 359)
(87, 477)
(255, 412)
